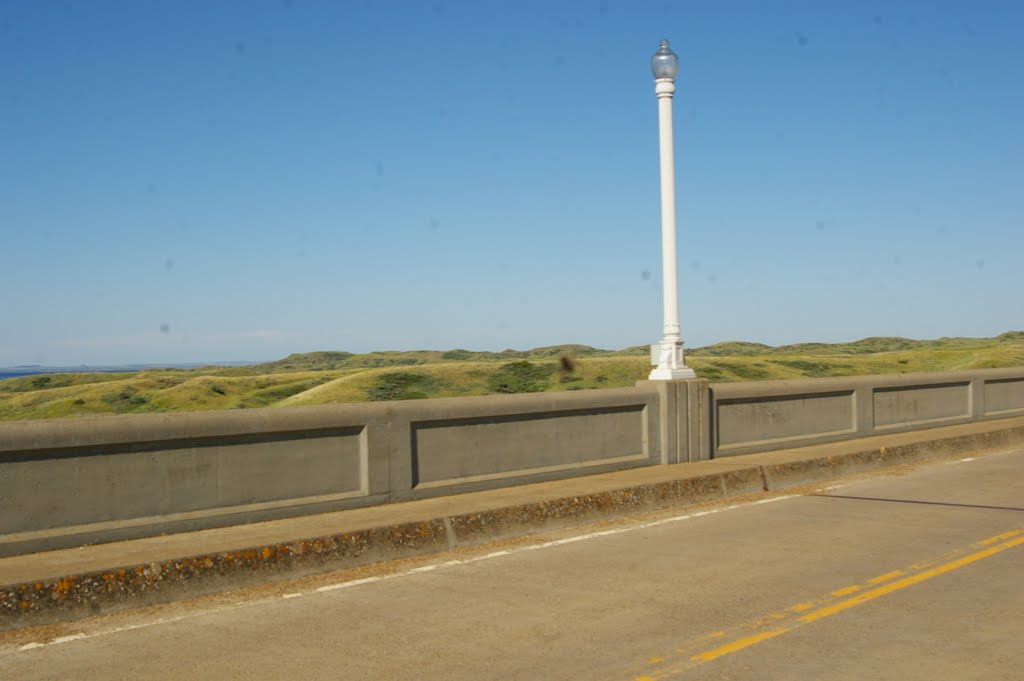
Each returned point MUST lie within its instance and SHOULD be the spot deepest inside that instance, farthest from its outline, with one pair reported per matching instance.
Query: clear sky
(188, 180)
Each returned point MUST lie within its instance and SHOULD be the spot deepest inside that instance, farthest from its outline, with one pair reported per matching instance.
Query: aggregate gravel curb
(74, 596)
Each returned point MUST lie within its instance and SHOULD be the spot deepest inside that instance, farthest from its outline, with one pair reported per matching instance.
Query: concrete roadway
(903, 577)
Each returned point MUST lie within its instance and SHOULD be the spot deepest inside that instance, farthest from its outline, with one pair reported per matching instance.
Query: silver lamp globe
(664, 63)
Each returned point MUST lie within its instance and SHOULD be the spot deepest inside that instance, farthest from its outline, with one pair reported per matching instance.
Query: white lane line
(405, 573)
(131, 627)
(771, 500)
(65, 639)
(356, 582)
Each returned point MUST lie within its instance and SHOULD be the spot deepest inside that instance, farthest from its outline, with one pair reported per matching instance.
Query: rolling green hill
(329, 377)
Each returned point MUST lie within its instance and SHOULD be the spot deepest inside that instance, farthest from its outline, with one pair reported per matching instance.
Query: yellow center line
(742, 643)
(999, 537)
(886, 577)
(833, 608)
(830, 610)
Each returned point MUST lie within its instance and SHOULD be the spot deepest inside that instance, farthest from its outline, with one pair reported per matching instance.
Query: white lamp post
(667, 356)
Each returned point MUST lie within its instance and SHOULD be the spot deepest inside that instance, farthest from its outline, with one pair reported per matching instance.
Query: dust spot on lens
(165, 328)
(819, 225)
(980, 263)
(646, 275)
(801, 40)
(380, 169)
(168, 264)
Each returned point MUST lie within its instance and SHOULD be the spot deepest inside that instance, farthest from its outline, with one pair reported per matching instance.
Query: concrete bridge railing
(72, 481)
(752, 417)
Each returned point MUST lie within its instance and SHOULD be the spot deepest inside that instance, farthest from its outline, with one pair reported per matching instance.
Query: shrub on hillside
(401, 385)
(127, 399)
(520, 377)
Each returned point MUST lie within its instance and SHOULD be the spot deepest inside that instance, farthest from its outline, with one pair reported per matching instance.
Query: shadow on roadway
(912, 501)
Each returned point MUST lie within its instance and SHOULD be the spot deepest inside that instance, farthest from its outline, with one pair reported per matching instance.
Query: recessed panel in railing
(1004, 396)
(753, 421)
(916, 405)
(77, 486)
(464, 450)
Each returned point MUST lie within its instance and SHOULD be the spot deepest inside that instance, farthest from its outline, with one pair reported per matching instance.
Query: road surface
(902, 577)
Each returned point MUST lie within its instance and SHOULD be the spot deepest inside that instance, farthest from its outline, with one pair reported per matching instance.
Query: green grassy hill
(329, 377)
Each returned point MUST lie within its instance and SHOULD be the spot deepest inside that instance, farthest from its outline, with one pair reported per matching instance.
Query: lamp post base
(667, 374)
(669, 364)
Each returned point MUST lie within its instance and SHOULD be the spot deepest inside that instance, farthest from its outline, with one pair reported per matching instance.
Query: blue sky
(203, 181)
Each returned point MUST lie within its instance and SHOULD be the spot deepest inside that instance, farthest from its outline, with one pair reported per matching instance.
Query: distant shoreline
(20, 372)
(86, 370)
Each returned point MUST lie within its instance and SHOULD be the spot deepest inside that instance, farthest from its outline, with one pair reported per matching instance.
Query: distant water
(19, 374)
(30, 372)
(19, 371)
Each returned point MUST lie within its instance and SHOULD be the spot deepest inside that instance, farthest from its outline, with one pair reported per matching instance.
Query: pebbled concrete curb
(80, 595)
(160, 573)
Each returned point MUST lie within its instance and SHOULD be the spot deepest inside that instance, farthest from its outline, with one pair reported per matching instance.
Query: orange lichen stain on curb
(207, 563)
(62, 586)
(25, 605)
(39, 586)
(265, 553)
